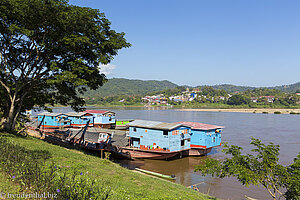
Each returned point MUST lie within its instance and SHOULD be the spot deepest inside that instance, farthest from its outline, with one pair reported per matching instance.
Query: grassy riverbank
(123, 183)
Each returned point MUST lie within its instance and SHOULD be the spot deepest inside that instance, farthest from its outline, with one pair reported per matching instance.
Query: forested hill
(289, 88)
(121, 86)
(233, 88)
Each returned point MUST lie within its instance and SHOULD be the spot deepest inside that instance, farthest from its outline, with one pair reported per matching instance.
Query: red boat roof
(96, 111)
(200, 126)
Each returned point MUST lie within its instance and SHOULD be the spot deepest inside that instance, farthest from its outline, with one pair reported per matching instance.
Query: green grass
(124, 184)
(8, 186)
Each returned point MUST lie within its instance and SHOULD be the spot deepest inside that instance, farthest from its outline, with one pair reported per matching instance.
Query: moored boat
(157, 140)
(203, 137)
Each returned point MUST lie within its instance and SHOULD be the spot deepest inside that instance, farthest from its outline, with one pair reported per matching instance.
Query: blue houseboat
(79, 119)
(203, 137)
(53, 120)
(103, 118)
(157, 140)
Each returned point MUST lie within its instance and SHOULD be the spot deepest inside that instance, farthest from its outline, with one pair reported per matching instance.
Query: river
(239, 127)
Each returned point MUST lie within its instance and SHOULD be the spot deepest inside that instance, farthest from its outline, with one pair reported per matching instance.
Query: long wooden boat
(172, 177)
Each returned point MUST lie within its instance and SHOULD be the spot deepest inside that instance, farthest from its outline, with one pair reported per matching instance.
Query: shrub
(277, 112)
(30, 170)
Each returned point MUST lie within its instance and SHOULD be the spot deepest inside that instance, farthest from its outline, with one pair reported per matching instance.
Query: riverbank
(248, 110)
(123, 183)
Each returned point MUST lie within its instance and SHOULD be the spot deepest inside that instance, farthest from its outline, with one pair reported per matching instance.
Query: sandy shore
(252, 110)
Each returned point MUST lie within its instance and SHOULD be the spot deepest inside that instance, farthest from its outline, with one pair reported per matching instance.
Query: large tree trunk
(9, 119)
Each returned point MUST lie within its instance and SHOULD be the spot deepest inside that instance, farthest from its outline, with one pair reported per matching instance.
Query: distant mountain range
(233, 88)
(122, 86)
(289, 88)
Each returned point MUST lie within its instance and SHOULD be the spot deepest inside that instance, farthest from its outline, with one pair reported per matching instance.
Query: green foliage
(232, 88)
(30, 170)
(238, 99)
(258, 168)
(292, 183)
(51, 51)
(121, 86)
(121, 182)
(293, 88)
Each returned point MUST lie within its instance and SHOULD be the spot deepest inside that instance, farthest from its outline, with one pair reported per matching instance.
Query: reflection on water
(239, 127)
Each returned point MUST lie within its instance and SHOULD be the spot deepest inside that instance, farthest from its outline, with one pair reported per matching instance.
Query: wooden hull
(198, 151)
(148, 154)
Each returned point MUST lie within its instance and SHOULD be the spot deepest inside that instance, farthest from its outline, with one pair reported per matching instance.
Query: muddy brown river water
(239, 127)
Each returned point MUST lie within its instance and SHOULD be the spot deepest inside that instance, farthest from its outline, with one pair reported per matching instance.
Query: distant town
(195, 95)
(205, 96)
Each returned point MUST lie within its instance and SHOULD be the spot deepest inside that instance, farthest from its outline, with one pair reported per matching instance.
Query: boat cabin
(53, 120)
(204, 136)
(103, 118)
(80, 119)
(161, 136)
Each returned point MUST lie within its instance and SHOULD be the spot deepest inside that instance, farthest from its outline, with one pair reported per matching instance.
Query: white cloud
(107, 69)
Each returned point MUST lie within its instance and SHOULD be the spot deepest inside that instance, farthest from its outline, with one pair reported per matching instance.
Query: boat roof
(98, 111)
(50, 114)
(200, 126)
(77, 114)
(155, 124)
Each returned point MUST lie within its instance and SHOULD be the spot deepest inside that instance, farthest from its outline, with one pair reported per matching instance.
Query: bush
(277, 112)
(32, 172)
(264, 112)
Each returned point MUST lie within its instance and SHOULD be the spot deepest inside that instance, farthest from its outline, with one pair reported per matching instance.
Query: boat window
(214, 139)
(134, 129)
(182, 142)
(165, 133)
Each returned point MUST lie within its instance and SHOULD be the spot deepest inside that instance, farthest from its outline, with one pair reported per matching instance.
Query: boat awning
(155, 125)
(200, 126)
(99, 112)
(78, 114)
(50, 114)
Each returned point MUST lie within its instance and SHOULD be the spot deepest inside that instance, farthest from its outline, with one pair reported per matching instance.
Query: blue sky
(197, 42)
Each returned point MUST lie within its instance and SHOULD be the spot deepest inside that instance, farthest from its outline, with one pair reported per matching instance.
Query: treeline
(206, 96)
(120, 100)
(258, 97)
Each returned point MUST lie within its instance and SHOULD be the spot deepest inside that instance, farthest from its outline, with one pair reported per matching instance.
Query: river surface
(281, 129)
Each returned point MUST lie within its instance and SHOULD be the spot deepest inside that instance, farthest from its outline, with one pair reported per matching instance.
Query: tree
(50, 52)
(292, 183)
(261, 168)
(238, 99)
